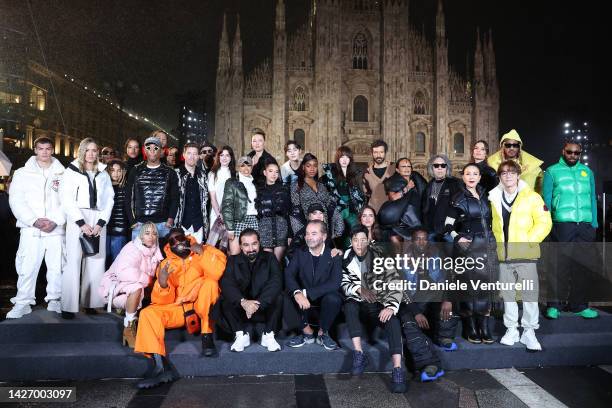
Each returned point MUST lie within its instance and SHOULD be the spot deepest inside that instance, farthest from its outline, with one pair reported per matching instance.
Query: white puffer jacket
(32, 196)
(75, 193)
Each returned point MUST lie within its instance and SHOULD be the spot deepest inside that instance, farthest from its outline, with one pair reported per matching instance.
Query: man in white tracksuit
(35, 202)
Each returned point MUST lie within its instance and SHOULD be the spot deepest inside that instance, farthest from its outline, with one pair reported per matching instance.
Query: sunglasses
(439, 165)
(150, 148)
(573, 152)
(177, 239)
(206, 151)
(512, 145)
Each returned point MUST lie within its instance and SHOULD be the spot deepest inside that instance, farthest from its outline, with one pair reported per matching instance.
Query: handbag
(90, 245)
(192, 320)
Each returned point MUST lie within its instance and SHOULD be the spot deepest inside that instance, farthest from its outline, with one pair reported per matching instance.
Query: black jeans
(572, 271)
(237, 320)
(356, 312)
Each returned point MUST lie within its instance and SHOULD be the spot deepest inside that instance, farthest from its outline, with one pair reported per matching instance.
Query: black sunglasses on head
(439, 165)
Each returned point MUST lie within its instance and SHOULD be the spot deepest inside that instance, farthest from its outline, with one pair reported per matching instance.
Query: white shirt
(251, 192)
(217, 186)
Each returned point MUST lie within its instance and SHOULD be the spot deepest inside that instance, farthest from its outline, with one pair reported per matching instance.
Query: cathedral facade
(358, 71)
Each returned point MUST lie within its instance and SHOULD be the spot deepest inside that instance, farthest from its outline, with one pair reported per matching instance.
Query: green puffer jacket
(234, 204)
(569, 193)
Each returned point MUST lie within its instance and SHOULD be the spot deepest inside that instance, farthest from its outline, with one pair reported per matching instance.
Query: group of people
(224, 243)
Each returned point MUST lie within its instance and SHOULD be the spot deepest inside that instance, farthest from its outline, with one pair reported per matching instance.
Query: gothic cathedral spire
(279, 78)
(441, 132)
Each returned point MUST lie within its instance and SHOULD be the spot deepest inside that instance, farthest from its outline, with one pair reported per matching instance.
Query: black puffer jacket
(472, 216)
(118, 223)
(272, 200)
(399, 217)
(434, 211)
(151, 194)
(488, 176)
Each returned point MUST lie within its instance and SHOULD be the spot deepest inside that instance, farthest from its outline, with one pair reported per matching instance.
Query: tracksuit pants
(33, 248)
(521, 272)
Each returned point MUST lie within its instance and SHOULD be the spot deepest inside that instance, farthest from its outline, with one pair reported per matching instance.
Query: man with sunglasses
(511, 148)
(207, 156)
(188, 279)
(569, 192)
(152, 192)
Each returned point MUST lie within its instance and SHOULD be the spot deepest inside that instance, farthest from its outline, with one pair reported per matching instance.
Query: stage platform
(41, 345)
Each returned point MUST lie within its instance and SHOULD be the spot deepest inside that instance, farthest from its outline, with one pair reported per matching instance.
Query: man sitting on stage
(188, 279)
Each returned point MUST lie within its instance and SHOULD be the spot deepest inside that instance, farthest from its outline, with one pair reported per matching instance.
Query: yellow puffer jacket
(530, 223)
(531, 170)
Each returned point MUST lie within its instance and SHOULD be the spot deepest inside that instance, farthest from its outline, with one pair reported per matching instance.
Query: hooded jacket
(135, 264)
(531, 170)
(529, 224)
(77, 192)
(188, 275)
(32, 196)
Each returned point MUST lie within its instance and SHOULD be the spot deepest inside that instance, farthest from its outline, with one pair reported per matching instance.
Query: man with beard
(188, 279)
(251, 292)
(313, 279)
(376, 174)
(511, 148)
(569, 193)
(207, 156)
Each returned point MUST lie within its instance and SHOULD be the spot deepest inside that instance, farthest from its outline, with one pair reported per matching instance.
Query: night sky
(550, 55)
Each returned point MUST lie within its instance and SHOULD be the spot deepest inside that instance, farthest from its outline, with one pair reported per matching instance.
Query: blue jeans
(114, 244)
(162, 230)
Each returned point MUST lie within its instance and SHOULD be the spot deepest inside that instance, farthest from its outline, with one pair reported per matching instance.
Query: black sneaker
(398, 381)
(300, 340)
(360, 362)
(327, 342)
(208, 345)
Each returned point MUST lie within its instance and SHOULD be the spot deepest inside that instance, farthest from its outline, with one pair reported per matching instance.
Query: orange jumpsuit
(195, 279)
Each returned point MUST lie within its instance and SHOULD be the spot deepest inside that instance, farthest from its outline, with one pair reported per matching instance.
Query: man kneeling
(250, 292)
(367, 299)
(188, 279)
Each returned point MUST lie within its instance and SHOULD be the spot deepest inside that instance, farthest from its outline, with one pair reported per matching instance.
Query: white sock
(128, 318)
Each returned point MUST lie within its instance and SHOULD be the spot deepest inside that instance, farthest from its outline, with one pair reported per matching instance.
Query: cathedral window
(300, 137)
(420, 142)
(38, 99)
(360, 51)
(360, 109)
(420, 106)
(299, 99)
(458, 143)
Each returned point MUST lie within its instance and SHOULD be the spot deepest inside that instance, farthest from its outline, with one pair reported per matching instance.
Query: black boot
(485, 333)
(160, 374)
(470, 330)
(67, 315)
(208, 345)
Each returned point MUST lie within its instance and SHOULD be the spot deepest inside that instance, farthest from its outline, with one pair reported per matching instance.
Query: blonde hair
(146, 227)
(81, 153)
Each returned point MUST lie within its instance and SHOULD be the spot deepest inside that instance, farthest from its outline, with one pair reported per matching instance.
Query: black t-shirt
(380, 172)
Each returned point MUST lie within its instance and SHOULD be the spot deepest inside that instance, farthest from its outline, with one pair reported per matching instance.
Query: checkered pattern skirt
(250, 221)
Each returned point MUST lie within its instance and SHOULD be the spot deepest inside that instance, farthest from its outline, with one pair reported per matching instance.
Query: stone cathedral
(357, 71)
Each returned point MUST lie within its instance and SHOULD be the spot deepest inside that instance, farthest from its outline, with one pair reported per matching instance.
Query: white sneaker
(54, 306)
(242, 341)
(268, 341)
(18, 311)
(511, 336)
(530, 341)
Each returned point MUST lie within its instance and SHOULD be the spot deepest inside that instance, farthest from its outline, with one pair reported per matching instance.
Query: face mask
(251, 255)
(181, 250)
